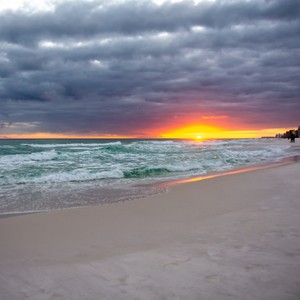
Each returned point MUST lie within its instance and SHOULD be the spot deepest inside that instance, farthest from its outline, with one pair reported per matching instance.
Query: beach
(229, 237)
(42, 175)
(149, 150)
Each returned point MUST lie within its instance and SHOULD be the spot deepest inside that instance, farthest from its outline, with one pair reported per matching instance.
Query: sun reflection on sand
(284, 161)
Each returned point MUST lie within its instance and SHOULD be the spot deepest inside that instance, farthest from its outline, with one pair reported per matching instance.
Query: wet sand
(229, 237)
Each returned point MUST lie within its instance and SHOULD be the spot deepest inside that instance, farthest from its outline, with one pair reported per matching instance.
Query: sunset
(149, 149)
(189, 132)
(148, 69)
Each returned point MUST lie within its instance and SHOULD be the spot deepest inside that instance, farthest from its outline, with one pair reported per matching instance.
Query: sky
(98, 68)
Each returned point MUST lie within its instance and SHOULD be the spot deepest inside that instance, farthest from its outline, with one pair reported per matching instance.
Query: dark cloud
(87, 19)
(124, 68)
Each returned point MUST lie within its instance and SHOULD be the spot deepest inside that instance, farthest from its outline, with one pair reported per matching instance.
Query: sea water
(37, 175)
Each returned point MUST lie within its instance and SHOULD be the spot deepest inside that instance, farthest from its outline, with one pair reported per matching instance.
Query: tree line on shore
(292, 133)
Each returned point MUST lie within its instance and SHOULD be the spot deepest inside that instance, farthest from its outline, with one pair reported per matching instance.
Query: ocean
(40, 175)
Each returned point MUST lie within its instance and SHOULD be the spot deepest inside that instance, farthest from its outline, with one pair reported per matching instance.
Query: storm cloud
(125, 67)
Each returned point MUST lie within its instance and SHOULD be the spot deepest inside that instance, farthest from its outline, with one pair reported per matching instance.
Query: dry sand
(230, 237)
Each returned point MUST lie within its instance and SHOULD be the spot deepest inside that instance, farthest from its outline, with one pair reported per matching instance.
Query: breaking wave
(45, 168)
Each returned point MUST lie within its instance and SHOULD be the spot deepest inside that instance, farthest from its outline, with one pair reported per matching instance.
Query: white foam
(71, 145)
(79, 166)
(97, 164)
(22, 158)
(77, 175)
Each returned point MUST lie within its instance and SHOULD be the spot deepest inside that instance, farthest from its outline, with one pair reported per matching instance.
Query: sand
(229, 237)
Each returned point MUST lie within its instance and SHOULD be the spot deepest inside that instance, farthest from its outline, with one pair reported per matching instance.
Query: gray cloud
(124, 68)
(86, 19)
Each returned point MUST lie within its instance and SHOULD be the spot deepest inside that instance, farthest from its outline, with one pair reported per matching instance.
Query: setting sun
(199, 132)
(191, 132)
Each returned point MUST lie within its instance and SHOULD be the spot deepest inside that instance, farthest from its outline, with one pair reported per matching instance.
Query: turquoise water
(48, 174)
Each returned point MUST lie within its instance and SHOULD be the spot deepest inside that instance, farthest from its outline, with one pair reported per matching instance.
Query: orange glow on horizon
(48, 135)
(194, 132)
(191, 132)
(211, 132)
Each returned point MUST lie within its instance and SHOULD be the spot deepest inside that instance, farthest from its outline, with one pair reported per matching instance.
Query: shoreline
(229, 237)
(166, 184)
(17, 199)
(238, 170)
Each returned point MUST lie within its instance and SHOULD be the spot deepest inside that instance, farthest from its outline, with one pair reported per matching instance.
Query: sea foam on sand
(229, 237)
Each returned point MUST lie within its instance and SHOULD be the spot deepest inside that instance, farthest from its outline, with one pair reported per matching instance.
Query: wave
(145, 172)
(23, 158)
(19, 149)
(155, 142)
(65, 177)
(129, 160)
(118, 148)
(71, 145)
(79, 176)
